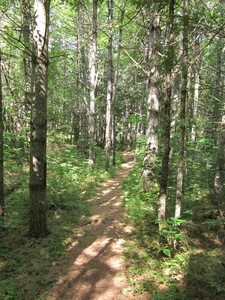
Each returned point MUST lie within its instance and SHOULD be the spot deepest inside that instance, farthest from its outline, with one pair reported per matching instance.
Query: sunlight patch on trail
(92, 251)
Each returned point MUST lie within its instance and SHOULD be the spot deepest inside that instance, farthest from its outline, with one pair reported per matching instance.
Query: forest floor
(94, 268)
(93, 252)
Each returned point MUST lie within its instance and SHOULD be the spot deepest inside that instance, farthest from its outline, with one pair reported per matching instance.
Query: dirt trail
(94, 268)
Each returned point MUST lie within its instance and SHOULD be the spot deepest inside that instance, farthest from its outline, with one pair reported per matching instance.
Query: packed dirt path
(94, 267)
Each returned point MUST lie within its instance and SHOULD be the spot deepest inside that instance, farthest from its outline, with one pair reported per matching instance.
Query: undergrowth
(25, 262)
(185, 261)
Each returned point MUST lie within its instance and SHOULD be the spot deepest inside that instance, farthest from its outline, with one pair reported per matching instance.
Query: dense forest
(81, 82)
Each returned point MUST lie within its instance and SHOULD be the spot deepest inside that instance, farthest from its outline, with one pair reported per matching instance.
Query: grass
(187, 260)
(25, 262)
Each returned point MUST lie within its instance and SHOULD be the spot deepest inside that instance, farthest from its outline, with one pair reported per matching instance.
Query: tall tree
(220, 163)
(180, 170)
(152, 102)
(196, 89)
(93, 82)
(108, 133)
(38, 210)
(26, 11)
(82, 83)
(115, 82)
(1, 151)
(166, 119)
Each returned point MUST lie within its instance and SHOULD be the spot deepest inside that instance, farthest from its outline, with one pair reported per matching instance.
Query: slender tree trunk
(115, 81)
(196, 93)
(93, 81)
(218, 106)
(1, 152)
(220, 163)
(83, 77)
(166, 121)
(180, 170)
(144, 87)
(38, 209)
(26, 10)
(108, 133)
(149, 163)
(26, 21)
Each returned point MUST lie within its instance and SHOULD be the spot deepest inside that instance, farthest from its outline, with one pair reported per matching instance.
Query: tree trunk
(26, 10)
(153, 107)
(180, 170)
(115, 81)
(220, 163)
(93, 81)
(1, 152)
(82, 83)
(218, 106)
(38, 209)
(166, 121)
(108, 132)
(26, 21)
(196, 92)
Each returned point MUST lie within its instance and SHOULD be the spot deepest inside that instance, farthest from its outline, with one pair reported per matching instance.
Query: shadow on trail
(87, 275)
(93, 268)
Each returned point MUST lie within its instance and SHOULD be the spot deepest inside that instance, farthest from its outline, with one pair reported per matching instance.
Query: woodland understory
(81, 82)
(187, 262)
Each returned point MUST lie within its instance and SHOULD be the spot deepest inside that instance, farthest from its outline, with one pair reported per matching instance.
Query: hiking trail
(93, 268)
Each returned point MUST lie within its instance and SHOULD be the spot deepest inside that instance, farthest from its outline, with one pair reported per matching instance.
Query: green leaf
(167, 252)
(124, 291)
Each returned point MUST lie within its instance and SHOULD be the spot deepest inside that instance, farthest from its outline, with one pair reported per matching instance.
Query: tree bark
(108, 133)
(83, 78)
(166, 121)
(1, 152)
(180, 170)
(38, 209)
(93, 81)
(220, 163)
(196, 92)
(26, 11)
(115, 81)
(149, 163)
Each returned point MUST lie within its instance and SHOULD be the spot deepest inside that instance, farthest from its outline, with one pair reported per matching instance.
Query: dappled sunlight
(91, 251)
(117, 204)
(128, 229)
(94, 263)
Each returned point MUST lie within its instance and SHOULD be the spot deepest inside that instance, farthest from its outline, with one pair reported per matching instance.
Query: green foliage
(70, 180)
(8, 289)
(25, 262)
(173, 235)
(184, 261)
